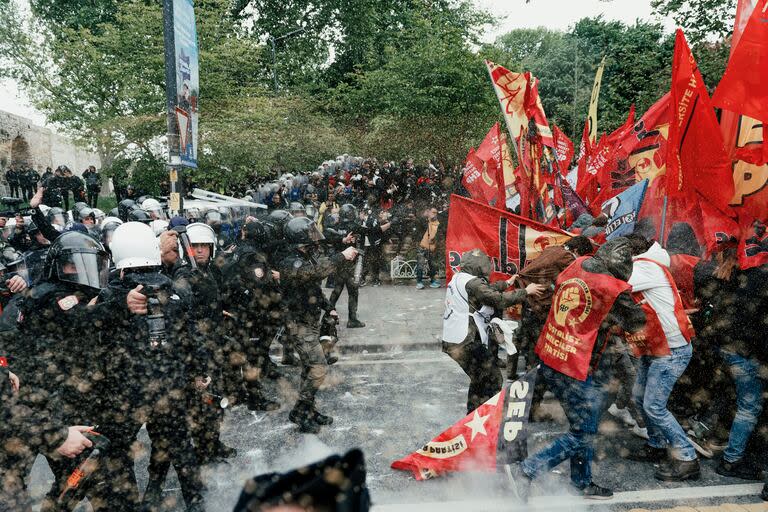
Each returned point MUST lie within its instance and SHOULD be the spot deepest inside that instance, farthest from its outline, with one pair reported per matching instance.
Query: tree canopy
(382, 78)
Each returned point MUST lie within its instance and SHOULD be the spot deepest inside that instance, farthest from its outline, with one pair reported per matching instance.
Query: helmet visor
(84, 268)
(314, 234)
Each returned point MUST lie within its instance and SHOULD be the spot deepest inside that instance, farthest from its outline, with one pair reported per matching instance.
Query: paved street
(390, 393)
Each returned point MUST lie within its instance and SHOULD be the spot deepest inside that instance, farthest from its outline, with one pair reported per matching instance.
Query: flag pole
(663, 221)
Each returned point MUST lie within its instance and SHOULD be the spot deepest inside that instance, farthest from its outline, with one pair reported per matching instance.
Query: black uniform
(12, 177)
(156, 358)
(301, 274)
(345, 274)
(60, 372)
(93, 186)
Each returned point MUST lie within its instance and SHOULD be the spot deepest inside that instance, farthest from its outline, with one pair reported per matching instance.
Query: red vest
(581, 302)
(651, 340)
(681, 267)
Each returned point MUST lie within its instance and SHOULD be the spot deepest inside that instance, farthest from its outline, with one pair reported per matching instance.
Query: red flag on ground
(492, 435)
(510, 240)
(696, 160)
(565, 150)
(479, 181)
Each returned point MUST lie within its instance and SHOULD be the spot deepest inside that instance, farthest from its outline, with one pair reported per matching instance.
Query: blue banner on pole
(623, 210)
(187, 80)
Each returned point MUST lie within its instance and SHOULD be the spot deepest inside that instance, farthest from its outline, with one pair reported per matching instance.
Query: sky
(554, 14)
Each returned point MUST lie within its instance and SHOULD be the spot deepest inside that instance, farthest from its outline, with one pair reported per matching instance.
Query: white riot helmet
(153, 207)
(134, 245)
(158, 226)
(100, 215)
(200, 233)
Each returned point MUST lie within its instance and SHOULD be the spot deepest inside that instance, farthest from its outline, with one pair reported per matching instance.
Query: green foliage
(701, 20)
(382, 78)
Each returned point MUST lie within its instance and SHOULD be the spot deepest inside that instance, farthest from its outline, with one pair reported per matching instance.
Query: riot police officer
(347, 231)
(156, 357)
(301, 274)
(60, 371)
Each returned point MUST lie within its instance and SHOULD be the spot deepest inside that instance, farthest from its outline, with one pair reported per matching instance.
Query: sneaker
(377, 283)
(647, 453)
(640, 432)
(622, 415)
(741, 468)
(354, 323)
(764, 493)
(701, 448)
(363, 284)
(434, 284)
(419, 286)
(678, 470)
(595, 492)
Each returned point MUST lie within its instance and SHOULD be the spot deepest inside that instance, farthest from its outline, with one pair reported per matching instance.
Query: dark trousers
(346, 277)
(172, 444)
(93, 197)
(583, 404)
(480, 366)
(314, 367)
(373, 262)
(27, 191)
(425, 260)
(14, 189)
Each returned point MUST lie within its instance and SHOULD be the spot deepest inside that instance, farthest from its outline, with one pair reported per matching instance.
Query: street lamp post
(273, 44)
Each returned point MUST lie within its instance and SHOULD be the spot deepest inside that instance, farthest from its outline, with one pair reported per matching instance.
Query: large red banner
(510, 240)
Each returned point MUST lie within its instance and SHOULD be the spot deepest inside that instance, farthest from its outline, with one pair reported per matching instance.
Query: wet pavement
(389, 394)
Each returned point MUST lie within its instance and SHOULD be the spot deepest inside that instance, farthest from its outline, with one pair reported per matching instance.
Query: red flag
(753, 246)
(489, 152)
(478, 181)
(510, 240)
(535, 110)
(492, 435)
(696, 156)
(718, 230)
(564, 148)
(729, 120)
(3, 362)
(586, 184)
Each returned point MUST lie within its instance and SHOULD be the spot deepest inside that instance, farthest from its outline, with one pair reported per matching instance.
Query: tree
(702, 20)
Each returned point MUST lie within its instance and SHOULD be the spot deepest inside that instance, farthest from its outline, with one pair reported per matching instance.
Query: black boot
(271, 371)
(679, 470)
(647, 453)
(764, 493)
(258, 402)
(741, 468)
(354, 323)
(221, 451)
(322, 419)
(289, 359)
(303, 416)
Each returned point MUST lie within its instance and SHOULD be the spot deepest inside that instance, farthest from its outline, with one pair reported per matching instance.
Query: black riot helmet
(124, 208)
(76, 209)
(139, 215)
(256, 233)
(348, 213)
(298, 210)
(114, 212)
(278, 219)
(77, 259)
(56, 216)
(302, 231)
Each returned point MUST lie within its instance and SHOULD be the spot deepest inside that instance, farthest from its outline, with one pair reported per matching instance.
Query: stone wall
(24, 143)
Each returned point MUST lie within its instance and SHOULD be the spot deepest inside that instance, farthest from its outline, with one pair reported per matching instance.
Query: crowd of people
(667, 340)
(23, 183)
(181, 313)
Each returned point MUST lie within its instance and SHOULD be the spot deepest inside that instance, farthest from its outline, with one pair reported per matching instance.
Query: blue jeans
(656, 376)
(582, 403)
(749, 402)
